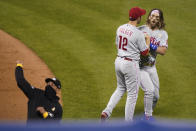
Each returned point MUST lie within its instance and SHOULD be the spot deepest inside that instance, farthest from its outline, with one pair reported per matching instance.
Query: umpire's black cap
(55, 81)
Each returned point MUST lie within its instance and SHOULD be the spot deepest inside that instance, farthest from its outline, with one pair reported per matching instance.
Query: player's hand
(147, 37)
(41, 109)
(153, 47)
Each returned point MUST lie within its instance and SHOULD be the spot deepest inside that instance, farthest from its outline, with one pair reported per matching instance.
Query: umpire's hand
(41, 109)
(19, 63)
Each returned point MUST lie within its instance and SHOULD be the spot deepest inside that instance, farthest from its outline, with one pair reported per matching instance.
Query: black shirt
(36, 98)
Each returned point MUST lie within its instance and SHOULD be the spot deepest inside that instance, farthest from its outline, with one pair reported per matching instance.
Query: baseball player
(42, 104)
(158, 45)
(130, 43)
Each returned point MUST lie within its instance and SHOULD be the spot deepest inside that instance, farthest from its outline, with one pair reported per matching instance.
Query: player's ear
(139, 19)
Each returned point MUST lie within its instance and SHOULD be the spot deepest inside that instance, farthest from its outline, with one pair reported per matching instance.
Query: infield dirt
(13, 103)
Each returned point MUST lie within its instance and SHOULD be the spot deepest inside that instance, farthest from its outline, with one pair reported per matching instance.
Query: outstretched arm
(21, 81)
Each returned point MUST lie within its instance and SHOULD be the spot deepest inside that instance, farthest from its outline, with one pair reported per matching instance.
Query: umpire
(42, 104)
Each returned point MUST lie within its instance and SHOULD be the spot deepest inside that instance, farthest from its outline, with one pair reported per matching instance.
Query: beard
(154, 24)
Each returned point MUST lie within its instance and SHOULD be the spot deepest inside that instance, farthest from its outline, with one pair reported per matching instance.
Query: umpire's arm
(21, 82)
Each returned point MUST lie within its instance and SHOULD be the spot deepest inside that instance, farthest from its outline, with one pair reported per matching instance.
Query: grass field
(76, 39)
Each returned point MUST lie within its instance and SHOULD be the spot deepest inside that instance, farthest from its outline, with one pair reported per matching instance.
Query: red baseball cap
(136, 12)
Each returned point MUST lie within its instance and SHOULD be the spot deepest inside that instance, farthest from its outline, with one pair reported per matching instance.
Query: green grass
(76, 39)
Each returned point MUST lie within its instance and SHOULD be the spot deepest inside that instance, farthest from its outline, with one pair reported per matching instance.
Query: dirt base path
(13, 103)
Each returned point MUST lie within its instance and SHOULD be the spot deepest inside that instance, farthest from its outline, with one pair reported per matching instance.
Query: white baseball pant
(150, 86)
(128, 79)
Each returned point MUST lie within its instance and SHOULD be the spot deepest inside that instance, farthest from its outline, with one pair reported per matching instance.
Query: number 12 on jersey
(122, 43)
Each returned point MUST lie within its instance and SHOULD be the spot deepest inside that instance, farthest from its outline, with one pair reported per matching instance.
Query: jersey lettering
(126, 31)
(154, 41)
(124, 40)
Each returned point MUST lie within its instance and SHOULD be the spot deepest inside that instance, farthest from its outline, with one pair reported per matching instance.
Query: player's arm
(144, 45)
(158, 49)
(147, 39)
(161, 50)
(21, 81)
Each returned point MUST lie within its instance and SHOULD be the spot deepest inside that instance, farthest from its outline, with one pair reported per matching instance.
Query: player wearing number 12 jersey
(130, 43)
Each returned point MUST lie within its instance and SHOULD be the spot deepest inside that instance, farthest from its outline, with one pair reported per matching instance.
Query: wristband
(19, 65)
(45, 114)
(153, 47)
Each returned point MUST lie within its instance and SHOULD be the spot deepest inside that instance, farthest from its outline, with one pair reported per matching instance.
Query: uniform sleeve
(59, 114)
(142, 44)
(164, 39)
(22, 83)
(117, 39)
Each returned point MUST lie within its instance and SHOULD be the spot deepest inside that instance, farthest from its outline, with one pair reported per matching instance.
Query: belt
(125, 58)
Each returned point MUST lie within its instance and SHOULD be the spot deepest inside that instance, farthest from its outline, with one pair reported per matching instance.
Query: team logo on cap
(54, 79)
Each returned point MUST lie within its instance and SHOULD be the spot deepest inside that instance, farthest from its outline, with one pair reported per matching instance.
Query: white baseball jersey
(157, 37)
(130, 42)
(148, 72)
